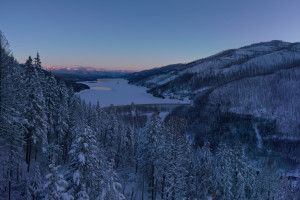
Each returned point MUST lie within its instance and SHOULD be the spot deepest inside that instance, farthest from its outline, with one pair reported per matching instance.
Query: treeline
(173, 169)
(274, 96)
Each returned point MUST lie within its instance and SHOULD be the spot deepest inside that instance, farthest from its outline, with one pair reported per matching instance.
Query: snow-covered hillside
(261, 80)
(224, 67)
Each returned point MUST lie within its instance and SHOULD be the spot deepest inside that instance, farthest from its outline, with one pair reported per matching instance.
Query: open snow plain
(119, 92)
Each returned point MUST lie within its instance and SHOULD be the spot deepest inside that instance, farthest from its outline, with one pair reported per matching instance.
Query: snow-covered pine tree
(27, 192)
(224, 172)
(111, 136)
(204, 166)
(55, 186)
(96, 119)
(51, 101)
(86, 165)
(4, 59)
(150, 142)
(36, 184)
(62, 118)
(82, 194)
(111, 189)
(240, 173)
(11, 129)
(176, 147)
(100, 124)
(72, 123)
(37, 62)
(34, 112)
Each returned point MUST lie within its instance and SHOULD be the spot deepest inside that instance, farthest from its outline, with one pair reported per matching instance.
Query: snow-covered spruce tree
(37, 62)
(224, 172)
(34, 112)
(89, 114)
(111, 136)
(86, 165)
(204, 167)
(240, 174)
(36, 184)
(176, 147)
(73, 121)
(268, 180)
(51, 101)
(100, 124)
(96, 120)
(111, 189)
(121, 151)
(62, 118)
(150, 142)
(27, 192)
(82, 194)
(4, 59)
(11, 129)
(40, 72)
(128, 146)
(58, 114)
(55, 186)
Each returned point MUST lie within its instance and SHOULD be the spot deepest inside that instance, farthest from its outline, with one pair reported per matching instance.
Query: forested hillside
(253, 86)
(55, 146)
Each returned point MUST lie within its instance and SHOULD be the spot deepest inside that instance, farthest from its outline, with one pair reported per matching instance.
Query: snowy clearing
(119, 92)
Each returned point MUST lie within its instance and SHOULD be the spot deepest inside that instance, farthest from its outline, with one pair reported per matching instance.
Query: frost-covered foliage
(86, 162)
(35, 187)
(55, 185)
(111, 190)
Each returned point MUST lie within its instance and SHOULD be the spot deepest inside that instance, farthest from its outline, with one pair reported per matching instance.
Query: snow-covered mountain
(261, 80)
(224, 67)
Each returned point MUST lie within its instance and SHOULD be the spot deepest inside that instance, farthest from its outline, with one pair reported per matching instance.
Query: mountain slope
(261, 80)
(142, 77)
(224, 67)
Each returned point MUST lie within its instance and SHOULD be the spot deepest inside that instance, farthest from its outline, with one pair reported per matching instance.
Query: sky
(141, 34)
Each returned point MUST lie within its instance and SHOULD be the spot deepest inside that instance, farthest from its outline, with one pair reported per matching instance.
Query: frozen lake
(119, 92)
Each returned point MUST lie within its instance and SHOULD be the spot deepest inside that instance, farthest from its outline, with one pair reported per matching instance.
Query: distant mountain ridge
(86, 73)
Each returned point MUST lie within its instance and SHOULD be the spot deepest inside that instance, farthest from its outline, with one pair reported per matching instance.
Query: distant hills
(86, 73)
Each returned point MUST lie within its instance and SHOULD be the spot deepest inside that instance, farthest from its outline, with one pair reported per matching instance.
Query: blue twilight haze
(120, 34)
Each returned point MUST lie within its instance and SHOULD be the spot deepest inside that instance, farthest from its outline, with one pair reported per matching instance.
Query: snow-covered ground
(119, 92)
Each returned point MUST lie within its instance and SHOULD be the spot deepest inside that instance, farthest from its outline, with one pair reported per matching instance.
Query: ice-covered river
(119, 92)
